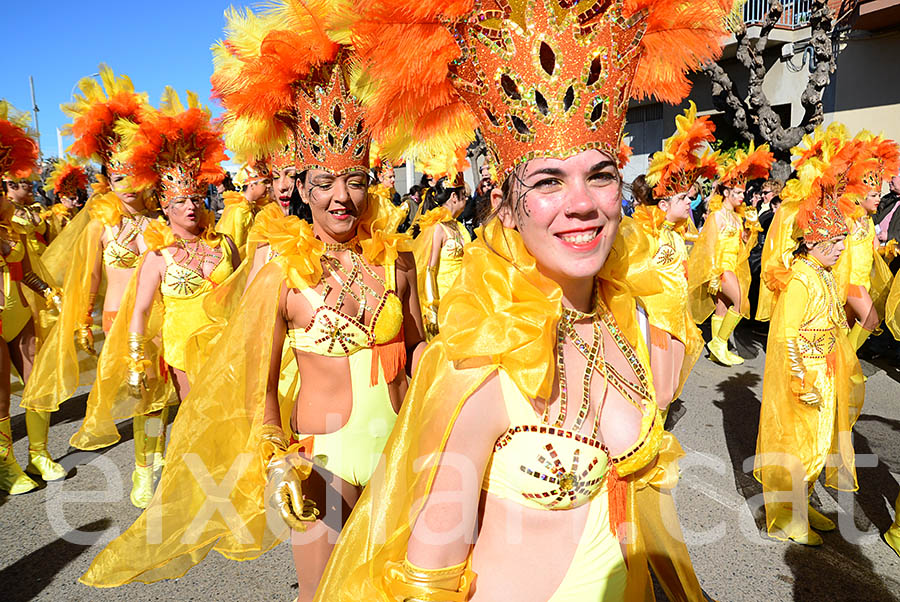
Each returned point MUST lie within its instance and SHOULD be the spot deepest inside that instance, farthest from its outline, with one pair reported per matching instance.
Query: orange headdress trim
(679, 165)
(737, 169)
(541, 78)
(67, 178)
(18, 149)
(176, 150)
(886, 156)
(95, 112)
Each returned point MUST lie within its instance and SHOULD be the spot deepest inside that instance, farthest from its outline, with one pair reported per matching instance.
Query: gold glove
(802, 382)
(35, 283)
(407, 582)
(286, 468)
(84, 336)
(889, 250)
(432, 301)
(137, 365)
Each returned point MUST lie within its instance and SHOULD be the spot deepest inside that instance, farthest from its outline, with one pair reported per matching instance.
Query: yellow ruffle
(158, 235)
(107, 209)
(378, 237)
(231, 198)
(299, 251)
(438, 215)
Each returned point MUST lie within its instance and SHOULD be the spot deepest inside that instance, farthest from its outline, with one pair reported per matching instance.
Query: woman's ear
(504, 210)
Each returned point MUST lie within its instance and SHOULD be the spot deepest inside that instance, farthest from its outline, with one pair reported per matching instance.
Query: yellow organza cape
(236, 220)
(110, 398)
(423, 243)
(788, 426)
(777, 257)
(892, 309)
(503, 313)
(59, 365)
(705, 266)
(211, 495)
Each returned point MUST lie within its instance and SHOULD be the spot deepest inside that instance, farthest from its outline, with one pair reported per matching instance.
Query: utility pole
(34, 108)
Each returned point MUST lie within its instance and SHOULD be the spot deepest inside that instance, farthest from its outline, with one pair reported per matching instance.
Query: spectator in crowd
(215, 199)
(887, 225)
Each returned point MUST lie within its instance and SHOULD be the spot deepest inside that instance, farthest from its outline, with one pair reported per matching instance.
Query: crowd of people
(394, 369)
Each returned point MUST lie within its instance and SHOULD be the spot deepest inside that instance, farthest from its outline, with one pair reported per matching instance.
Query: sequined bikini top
(117, 253)
(334, 333)
(547, 467)
(183, 282)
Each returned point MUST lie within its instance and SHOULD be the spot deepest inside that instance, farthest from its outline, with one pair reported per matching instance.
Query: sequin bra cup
(332, 333)
(116, 254)
(183, 282)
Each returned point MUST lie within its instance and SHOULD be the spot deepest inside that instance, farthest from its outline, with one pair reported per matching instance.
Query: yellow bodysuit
(15, 313)
(807, 337)
(860, 267)
(183, 290)
(720, 249)
(237, 220)
(451, 255)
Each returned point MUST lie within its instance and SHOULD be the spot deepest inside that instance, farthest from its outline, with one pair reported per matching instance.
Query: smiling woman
(530, 433)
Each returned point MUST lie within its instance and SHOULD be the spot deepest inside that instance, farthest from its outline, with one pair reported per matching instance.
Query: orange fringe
(617, 489)
(659, 338)
(391, 356)
(855, 291)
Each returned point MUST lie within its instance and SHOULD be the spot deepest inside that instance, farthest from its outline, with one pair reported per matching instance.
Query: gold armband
(406, 582)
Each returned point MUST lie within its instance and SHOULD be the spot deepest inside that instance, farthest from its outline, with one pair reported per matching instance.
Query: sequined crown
(886, 160)
(551, 84)
(331, 130)
(680, 164)
(824, 221)
(252, 172)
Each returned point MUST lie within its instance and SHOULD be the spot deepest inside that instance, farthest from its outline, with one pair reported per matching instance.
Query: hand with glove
(287, 470)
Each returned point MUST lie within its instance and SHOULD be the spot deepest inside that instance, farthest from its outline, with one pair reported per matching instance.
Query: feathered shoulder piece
(680, 163)
(438, 215)
(67, 178)
(106, 208)
(18, 149)
(176, 149)
(158, 235)
(96, 110)
(741, 166)
(539, 77)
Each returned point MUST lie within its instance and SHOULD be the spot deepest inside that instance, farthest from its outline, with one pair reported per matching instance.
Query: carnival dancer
(534, 406)
(439, 246)
(862, 274)
(342, 293)
(96, 254)
(718, 266)
(813, 386)
(69, 183)
(26, 295)
(663, 215)
(255, 182)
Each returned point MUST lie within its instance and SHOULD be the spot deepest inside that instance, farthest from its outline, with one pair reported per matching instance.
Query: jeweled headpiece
(175, 149)
(67, 178)
(680, 163)
(741, 166)
(541, 78)
(252, 173)
(886, 158)
(827, 170)
(95, 112)
(18, 148)
(282, 70)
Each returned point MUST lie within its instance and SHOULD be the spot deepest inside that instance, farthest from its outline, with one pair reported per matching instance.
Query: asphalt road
(50, 536)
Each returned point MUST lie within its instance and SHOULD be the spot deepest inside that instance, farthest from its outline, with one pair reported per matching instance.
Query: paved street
(50, 536)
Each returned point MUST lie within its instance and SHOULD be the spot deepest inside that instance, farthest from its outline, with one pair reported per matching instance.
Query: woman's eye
(603, 177)
(547, 184)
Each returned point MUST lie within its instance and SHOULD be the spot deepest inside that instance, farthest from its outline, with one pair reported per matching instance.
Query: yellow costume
(27, 299)
(450, 261)
(813, 386)
(220, 429)
(798, 438)
(719, 249)
(239, 213)
(668, 309)
(862, 267)
(502, 315)
(67, 179)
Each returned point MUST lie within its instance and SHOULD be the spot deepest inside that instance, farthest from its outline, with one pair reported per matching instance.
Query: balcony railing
(795, 15)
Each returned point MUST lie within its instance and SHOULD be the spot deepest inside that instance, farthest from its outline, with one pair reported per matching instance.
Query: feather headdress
(281, 70)
(175, 149)
(680, 163)
(18, 148)
(539, 77)
(741, 166)
(829, 172)
(96, 111)
(67, 178)
(885, 157)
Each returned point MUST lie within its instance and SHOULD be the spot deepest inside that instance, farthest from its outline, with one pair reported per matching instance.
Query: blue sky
(165, 42)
